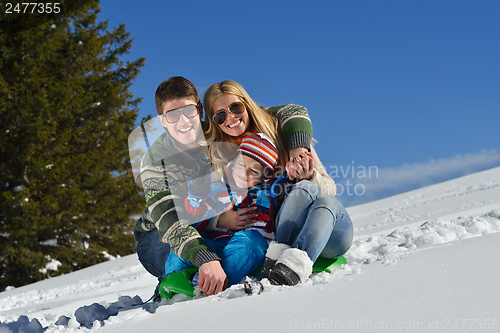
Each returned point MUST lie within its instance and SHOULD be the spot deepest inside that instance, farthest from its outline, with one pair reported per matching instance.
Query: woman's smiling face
(235, 124)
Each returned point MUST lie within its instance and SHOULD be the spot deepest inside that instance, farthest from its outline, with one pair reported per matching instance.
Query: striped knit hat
(262, 149)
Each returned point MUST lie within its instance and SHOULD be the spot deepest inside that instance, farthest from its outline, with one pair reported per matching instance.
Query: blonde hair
(260, 122)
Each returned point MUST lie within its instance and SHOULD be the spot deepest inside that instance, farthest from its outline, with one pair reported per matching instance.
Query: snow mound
(399, 243)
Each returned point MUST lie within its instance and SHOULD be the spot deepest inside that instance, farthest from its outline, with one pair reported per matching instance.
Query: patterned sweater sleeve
(295, 124)
(162, 213)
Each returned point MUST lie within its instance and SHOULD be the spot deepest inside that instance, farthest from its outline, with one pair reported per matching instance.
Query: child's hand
(235, 219)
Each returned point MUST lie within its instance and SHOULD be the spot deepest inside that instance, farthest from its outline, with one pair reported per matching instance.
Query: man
(166, 167)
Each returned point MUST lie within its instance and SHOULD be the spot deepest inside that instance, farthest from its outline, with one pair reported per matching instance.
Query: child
(243, 186)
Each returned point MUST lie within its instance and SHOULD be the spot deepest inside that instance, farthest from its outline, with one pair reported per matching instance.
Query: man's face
(247, 172)
(185, 130)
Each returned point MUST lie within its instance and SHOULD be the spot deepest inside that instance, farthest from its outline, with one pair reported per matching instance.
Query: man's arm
(187, 243)
(183, 238)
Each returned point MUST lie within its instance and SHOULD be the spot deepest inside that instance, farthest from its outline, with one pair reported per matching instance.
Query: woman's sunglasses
(221, 115)
(190, 111)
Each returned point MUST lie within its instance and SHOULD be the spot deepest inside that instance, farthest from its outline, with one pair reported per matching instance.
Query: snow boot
(293, 267)
(274, 251)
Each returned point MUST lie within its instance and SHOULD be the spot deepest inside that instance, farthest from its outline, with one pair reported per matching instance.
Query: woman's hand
(301, 165)
(212, 279)
(235, 220)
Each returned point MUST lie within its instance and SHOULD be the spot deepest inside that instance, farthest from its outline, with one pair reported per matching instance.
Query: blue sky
(409, 88)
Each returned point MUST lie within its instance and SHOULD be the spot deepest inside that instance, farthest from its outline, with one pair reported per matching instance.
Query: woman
(311, 222)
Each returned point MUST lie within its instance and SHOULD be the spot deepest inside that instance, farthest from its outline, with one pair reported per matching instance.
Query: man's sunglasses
(190, 111)
(221, 115)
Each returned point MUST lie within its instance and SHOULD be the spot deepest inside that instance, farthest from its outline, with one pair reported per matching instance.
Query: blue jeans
(240, 255)
(317, 224)
(153, 253)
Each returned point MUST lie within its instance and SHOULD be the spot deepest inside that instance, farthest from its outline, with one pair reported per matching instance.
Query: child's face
(247, 172)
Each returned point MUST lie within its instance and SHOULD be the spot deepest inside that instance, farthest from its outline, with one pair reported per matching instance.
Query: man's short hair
(173, 88)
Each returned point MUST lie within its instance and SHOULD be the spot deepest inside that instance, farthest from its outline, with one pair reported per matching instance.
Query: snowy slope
(426, 260)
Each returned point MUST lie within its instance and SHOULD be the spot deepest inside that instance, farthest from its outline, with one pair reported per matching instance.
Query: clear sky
(409, 90)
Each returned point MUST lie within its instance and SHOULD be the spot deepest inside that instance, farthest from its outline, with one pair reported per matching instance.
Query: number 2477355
(32, 7)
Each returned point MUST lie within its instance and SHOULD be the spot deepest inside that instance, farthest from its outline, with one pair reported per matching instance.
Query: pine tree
(67, 193)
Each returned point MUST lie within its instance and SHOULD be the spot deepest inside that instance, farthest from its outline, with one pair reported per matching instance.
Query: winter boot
(274, 251)
(293, 266)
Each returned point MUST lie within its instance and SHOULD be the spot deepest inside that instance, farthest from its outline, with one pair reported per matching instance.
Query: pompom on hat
(260, 147)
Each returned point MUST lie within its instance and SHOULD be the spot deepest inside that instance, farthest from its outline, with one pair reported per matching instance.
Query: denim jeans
(317, 224)
(240, 255)
(153, 253)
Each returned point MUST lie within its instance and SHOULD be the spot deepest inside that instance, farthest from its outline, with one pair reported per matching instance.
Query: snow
(426, 260)
(52, 265)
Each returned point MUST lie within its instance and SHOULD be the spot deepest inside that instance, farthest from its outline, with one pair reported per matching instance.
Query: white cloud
(426, 173)
(376, 183)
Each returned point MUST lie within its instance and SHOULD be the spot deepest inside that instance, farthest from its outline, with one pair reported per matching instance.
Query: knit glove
(201, 177)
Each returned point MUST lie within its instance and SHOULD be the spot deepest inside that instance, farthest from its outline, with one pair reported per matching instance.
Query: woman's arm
(295, 125)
